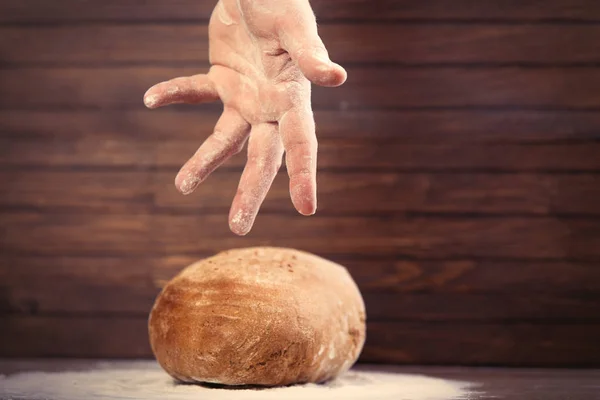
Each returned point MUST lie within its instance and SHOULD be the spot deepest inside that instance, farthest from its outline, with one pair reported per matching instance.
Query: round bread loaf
(258, 316)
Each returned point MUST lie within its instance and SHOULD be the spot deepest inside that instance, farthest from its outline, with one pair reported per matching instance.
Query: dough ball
(258, 316)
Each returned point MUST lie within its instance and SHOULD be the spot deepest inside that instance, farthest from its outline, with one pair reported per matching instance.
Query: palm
(261, 54)
(251, 71)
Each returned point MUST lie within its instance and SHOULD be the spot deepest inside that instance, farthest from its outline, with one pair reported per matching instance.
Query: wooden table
(489, 383)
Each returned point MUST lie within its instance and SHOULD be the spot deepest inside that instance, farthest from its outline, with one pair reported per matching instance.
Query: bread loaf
(258, 316)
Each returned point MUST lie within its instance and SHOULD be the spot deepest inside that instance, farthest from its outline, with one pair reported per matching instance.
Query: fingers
(191, 90)
(228, 138)
(297, 130)
(300, 38)
(265, 152)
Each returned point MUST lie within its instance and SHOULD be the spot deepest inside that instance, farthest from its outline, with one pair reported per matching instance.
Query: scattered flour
(145, 380)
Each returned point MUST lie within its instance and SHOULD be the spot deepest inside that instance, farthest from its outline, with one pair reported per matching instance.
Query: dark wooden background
(459, 175)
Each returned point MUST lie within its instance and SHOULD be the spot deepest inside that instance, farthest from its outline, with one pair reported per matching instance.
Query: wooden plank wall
(459, 175)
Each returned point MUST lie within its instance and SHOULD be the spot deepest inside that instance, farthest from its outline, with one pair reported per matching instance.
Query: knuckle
(237, 147)
(302, 171)
(221, 140)
(219, 137)
(308, 145)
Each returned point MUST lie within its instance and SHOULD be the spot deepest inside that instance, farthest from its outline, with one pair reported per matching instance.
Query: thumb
(299, 37)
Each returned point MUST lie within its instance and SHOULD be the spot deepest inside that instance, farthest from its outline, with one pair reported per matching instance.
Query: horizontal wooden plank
(131, 152)
(479, 276)
(416, 290)
(186, 10)
(429, 237)
(111, 191)
(347, 43)
(93, 337)
(401, 192)
(380, 275)
(518, 345)
(480, 87)
(339, 193)
(37, 297)
(73, 234)
(429, 291)
(40, 298)
(100, 284)
(401, 342)
(481, 307)
(391, 154)
(404, 126)
(424, 237)
(87, 151)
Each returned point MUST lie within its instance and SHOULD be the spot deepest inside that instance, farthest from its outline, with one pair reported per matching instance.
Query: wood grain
(399, 290)
(480, 276)
(340, 193)
(356, 193)
(85, 336)
(402, 343)
(438, 237)
(79, 298)
(481, 307)
(518, 345)
(389, 154)
(403, 126)
(347, 43)
(373, 274)
(72, 233)
(338, 154)
(430, 237)
(372, 88)
(459, 175)
(87, 151)
(102, 191)
(388, 10)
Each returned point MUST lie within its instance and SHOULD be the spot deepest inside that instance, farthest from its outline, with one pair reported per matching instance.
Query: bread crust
(258, 316)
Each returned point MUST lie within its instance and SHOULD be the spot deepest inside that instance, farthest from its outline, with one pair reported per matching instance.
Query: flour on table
(145, 380)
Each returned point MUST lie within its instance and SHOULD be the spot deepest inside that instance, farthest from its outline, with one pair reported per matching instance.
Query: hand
(263, 55)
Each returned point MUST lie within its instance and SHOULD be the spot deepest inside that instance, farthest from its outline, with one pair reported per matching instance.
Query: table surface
(490, 383)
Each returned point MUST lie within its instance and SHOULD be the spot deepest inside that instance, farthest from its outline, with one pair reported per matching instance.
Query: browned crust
(258, 316)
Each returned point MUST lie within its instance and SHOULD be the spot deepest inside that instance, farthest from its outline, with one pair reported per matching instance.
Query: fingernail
(187, 187)
(188, 184)
(241, 222)
(151, 101)
(312, 211)
(305, 208)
